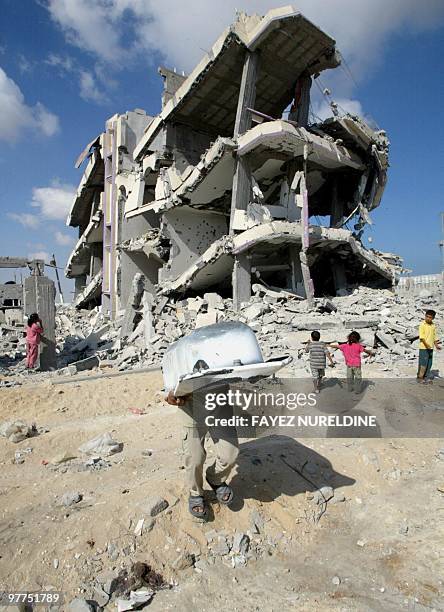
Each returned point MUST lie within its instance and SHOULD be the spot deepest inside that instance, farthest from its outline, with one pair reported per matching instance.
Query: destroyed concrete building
(225, 188)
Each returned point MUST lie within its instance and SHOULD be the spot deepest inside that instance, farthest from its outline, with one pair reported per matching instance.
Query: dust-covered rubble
(88, 340)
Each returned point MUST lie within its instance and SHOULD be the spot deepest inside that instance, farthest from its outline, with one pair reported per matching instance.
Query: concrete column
(305, 226)
(337, 206)
(301, 105)
(296, 280)
(241, 280)
(241, 193)
(95, 264)
(40, 297)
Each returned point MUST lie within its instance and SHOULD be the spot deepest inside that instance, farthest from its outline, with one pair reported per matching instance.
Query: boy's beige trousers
(194, 431)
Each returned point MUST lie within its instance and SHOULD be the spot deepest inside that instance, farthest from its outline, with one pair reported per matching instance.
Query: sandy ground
(380, 549)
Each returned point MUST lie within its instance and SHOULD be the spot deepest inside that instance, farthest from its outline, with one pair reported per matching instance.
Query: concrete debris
(17, 431)
(81, 605)
(323, 495)
(154, 505)
(70, 498)
(133, 305)
(241, 543)
(281, 319)
(100, 596)
(86, 364)
(220, 546)
(101, 445)
(139, 527)
(183, 562)
(19, 456)
(256, 522)
(62, 458)
(137, 600)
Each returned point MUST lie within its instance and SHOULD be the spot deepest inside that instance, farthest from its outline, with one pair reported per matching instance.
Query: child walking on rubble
(352, 350)
(318, 359)
(34, 331)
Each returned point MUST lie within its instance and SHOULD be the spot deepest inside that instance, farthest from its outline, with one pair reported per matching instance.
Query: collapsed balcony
(273, 249)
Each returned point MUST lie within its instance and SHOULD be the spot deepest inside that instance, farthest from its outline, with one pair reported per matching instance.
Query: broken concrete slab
(153, 505)
(103, 445)
(206, 318)
(86, 364)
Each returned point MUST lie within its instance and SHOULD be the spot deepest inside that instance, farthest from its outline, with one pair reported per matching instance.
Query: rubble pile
(12, 344)
(139, 335)
(282, 321)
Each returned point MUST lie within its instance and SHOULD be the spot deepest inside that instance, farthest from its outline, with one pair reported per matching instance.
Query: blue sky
(67, 65)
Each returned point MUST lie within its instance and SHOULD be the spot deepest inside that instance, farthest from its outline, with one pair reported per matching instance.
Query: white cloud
(26, 219)
(87, 25)
(322, 109)
(63, 239)
(88, 88)
(54, 201)
(48, 122)
(24, 64)
(40, 255)
(179, 30)
(64, 63)
(16, 116)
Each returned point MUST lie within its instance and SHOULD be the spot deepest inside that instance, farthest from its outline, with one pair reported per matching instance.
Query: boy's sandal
(224, 492)
(195, 502)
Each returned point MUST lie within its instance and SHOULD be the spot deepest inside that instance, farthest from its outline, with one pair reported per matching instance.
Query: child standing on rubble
(318, 359)
(34, 331)
(352, 350)
(427, 342)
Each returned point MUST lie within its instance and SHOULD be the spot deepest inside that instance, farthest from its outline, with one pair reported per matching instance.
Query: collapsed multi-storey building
(229, 184)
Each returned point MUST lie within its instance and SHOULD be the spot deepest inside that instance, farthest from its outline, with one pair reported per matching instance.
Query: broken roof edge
(87, 176)
(84, 154)
(273, 17)
(191, 178)
(269, 22)
(81, 243)
(181, 92)
(281, 130)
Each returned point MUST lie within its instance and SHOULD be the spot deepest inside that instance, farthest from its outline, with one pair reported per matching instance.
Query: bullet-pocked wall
(191, 232)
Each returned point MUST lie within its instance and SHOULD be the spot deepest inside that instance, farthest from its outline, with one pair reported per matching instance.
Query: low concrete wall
(413, 285)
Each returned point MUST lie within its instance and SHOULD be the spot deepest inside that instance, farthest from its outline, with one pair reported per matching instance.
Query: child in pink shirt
(34, 330)
(352, 350)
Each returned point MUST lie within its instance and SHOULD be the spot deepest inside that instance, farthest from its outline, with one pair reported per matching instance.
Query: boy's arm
(307, 347)
(369, 352)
